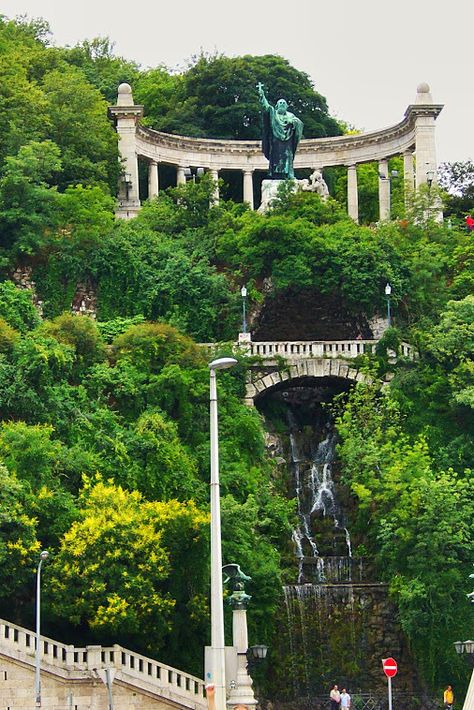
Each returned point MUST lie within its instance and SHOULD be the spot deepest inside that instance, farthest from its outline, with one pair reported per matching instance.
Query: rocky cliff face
(307, 315)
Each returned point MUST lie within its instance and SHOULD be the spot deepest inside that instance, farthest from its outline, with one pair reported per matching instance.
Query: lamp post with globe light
(43, 556)
(243, 293)
(388, 292)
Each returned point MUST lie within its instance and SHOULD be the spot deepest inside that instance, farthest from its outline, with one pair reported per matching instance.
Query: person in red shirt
(469, 223)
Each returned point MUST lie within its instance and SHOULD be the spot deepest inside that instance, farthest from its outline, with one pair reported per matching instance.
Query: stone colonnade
(413, 138)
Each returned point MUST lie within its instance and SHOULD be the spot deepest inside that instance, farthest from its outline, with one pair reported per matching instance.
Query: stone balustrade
(307, 349)
(70, 660)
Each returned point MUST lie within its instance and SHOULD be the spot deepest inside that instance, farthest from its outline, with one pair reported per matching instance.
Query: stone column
(153, 182)
(180, 175)
(127, 116)
(248, 188)
(425, 146)
(408, 174)
(384, 190)
(352, 195)
(215, 178)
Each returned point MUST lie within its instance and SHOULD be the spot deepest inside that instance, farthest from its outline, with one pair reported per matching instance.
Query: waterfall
(316, 497)
(336, 622)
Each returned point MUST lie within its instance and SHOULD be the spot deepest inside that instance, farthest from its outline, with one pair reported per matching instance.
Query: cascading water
(315, 493)
(335, 623)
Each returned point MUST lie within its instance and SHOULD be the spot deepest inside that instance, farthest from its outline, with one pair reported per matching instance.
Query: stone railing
(307, 349)
(167, 681)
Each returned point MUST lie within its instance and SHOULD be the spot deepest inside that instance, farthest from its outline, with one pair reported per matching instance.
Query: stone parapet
(63, 665)
(307, 349)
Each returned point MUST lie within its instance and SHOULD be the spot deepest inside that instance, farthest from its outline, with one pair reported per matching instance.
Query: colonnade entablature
(413, 138)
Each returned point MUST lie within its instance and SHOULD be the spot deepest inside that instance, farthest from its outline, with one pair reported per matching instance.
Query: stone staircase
(71, 676)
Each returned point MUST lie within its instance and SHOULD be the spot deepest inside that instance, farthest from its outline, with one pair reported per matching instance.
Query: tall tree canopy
(216, 97)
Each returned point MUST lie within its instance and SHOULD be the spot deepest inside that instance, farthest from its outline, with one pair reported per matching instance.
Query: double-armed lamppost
(217, 603)
(43, 556)
(388, 292)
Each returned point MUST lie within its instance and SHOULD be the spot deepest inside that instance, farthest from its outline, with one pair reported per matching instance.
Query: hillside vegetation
(104, 440)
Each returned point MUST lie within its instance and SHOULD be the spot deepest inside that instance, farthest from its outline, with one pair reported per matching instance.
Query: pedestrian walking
(335, 697)
(448, 698)
(345, 700)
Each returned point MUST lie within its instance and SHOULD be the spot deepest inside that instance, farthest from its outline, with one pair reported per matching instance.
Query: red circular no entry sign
(390, 667)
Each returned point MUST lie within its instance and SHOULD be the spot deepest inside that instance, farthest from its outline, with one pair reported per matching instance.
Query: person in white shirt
(345, 700)
(335, 698)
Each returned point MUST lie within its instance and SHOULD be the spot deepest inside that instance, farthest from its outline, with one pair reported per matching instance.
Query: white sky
(365, 56)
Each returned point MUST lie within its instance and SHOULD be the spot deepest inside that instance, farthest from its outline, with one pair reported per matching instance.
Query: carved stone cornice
(432, 110)
(135, 111)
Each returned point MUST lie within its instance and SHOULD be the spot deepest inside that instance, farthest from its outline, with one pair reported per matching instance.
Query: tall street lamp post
(217, 603)
(388, 291)
(43, 556)
(243, 293)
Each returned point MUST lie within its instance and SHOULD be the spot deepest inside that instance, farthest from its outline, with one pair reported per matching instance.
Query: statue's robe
(281, 135)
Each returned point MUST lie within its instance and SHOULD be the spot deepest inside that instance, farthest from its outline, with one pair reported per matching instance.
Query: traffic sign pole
(390, 668)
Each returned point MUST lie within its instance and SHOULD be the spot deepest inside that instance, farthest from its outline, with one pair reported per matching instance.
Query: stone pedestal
(242, 693)
(270, 192)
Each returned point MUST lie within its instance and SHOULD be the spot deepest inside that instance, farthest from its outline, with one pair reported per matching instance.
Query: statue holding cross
(282, 131)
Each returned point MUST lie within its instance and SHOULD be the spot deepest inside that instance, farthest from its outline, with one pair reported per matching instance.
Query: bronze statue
(282, 132)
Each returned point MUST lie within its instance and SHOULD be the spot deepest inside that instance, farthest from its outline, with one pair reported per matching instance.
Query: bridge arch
(314, 368)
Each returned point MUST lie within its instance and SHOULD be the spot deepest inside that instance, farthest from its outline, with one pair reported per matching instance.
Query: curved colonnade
(413, 137)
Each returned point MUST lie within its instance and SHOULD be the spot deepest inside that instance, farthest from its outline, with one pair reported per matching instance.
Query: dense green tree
(417, 520)
(16, 307)
(458, 180)
(28, 206)
(102, 68)
(45, 97)
(22, 103)
(217, 97)
(18, 542)
(81, 333)
(78, 124)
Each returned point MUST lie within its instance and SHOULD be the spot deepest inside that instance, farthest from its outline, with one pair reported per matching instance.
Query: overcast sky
(365, 56)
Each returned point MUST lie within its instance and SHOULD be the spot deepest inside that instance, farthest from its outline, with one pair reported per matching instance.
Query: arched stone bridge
(302, 359)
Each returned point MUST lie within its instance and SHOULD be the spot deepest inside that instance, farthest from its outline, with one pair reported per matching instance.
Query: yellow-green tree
(127, 565)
